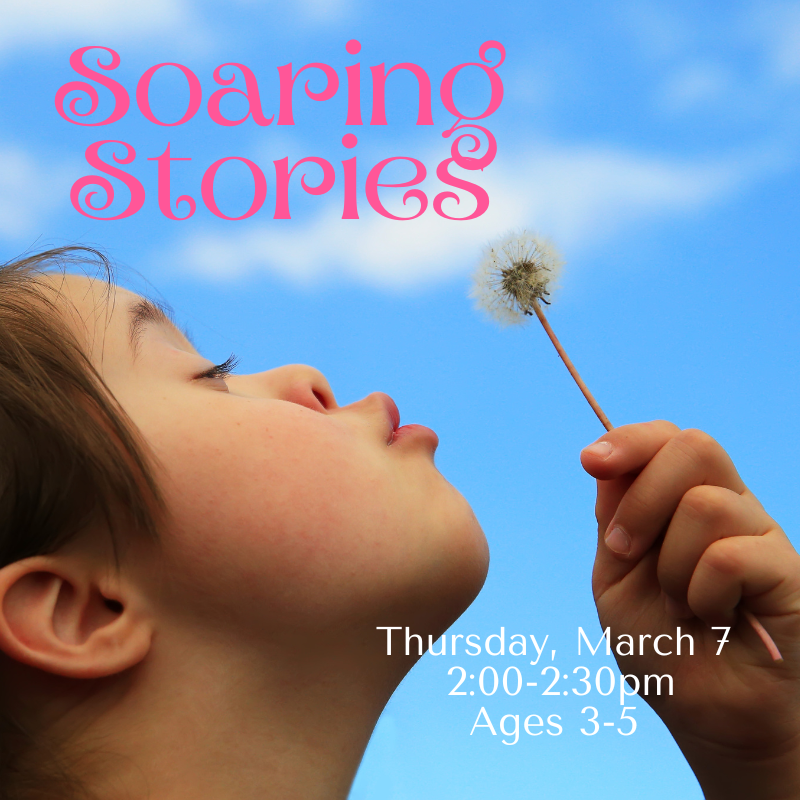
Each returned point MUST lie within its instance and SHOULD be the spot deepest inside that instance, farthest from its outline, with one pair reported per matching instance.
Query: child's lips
(417, 432)
(397, 433)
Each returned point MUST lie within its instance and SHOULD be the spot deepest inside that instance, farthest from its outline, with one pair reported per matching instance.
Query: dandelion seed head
(516, 271)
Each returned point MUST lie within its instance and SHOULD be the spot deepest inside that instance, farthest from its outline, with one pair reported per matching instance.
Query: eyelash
(221, 370)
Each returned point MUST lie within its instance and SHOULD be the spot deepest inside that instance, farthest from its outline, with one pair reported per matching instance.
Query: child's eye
(221, 370)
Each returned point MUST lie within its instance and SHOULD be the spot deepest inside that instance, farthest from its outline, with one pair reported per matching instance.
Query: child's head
(260, 522)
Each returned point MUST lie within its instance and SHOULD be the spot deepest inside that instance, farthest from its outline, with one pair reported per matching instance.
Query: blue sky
(656, 143)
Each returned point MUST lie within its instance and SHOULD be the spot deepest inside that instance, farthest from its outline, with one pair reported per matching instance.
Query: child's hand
(683, 542)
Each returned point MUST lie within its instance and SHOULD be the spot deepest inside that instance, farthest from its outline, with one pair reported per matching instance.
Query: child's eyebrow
(144, 312)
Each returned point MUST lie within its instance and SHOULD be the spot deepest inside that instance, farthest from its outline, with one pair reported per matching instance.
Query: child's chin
(472, 567)
(458, 574)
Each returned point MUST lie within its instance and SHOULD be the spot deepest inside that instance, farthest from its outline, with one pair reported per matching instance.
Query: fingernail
(618, 541)
(600, 449)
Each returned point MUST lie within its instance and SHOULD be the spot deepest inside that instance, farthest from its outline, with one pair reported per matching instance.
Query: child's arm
(701, 549)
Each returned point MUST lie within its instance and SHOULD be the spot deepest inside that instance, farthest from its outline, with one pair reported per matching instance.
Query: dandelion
(513, 276)
(514, 273)
(511, 280)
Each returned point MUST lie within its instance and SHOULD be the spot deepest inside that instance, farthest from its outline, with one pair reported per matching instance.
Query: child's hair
(69, 457)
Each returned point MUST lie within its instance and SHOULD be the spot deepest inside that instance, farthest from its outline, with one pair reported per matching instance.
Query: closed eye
(221, 370)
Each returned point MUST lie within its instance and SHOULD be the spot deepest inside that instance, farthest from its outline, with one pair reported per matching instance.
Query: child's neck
(204, 719)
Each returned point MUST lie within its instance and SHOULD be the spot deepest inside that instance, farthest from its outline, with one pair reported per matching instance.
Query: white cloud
(778, 26)
(580, 194)
(696, 84)
(658, 31)
(26, 192)
(576, 195)
(324, 9)
(32, 21)
(308, 11)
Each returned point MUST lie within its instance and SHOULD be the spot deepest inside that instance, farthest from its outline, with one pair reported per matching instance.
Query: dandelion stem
(772, 648)
(571, 367)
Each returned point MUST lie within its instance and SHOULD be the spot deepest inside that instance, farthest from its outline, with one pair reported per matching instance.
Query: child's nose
(297, 383)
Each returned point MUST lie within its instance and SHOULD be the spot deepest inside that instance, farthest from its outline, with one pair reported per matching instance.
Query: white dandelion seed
(515, 272)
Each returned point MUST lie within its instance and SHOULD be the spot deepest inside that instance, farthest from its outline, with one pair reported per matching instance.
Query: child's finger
(764, 568)
(705, 515)
(609, 494)
(690, 458)
(617, 457)
(626, 449)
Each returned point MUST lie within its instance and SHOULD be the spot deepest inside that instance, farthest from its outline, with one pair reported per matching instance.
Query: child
(235, 653)
(194, 564)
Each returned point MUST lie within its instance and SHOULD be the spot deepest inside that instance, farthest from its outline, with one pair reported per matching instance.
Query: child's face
(289, 513)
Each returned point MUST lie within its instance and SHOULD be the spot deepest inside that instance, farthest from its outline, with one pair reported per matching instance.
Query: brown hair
(69, 455)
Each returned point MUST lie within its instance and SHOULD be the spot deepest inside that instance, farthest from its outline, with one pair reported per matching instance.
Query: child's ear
(68, 618)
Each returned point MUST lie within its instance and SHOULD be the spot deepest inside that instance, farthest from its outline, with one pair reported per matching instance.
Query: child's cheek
(274, 512)
(296, 521)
